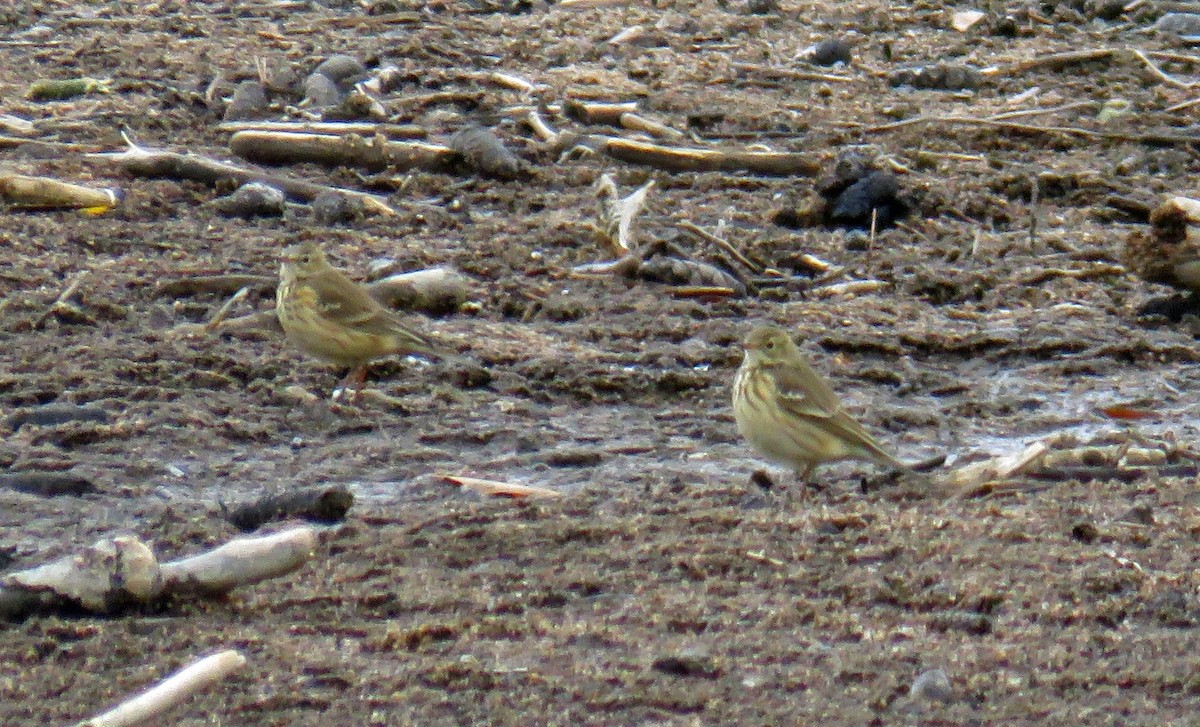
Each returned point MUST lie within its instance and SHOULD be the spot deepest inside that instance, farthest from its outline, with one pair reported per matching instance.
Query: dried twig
(636, 122)
(1183, 106)
(151, 705)
(224, 311)
(47, 193)
(850, 287)
(1143, 138)
(340, 128)
(157, 163)
(998, 468)
(60, 304)
(351, 150)
(1158, 72)
(681, 159)
(723, 244)
(511, 81)
(616, 215)
(240, 562)
(792, 73)
(703, 291)
(541, 128)
(1053, 61)
(202, 284)
(502, 489)
(761, 557)
(1024, 113)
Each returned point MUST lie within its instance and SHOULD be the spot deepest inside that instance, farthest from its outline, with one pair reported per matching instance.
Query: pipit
(790, 414)
(327, 315)
(1168, 254)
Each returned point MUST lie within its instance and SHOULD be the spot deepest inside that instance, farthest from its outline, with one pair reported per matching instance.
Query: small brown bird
(790, 414)
(1170, 253)
(327, 315)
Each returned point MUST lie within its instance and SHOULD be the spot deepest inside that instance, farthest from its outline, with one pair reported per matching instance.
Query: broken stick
(122, 571)
(240, 562)
(681, 159)
(351, 150)
(46, 193)
(151, 705)
(148, 162)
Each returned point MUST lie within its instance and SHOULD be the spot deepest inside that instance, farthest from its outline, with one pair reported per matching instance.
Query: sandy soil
(664, 588)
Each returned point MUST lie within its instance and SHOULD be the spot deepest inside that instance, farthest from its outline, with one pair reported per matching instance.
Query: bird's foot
(350, 386)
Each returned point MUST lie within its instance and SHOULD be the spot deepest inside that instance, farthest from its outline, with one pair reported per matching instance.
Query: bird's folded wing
(351, 306)
(838, 423)
(347, 304)
(799, 382)
(802, 405)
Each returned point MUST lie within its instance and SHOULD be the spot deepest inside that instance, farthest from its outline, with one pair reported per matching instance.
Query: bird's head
(302, 260)
(767, 345)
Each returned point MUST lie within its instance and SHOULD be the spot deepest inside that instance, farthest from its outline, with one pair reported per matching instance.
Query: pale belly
(787, 446)
(320, 338)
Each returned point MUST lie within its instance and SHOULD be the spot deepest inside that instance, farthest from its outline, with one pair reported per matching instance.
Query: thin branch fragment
(616, 216)
(630, 120)
(681, 159)
(60, 304)
(151, 705)
(492, 488)
(793, 73)
(541, 128)
(224, 311)
(241, 562)
(594, 112)
(850, 287)
(724, 244)
(148, 162)
(45, 193)
(339, 128)
(203, 284)
(999, 468)
(351, 150)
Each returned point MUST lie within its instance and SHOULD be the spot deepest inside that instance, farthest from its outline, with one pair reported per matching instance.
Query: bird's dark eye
(770, 344)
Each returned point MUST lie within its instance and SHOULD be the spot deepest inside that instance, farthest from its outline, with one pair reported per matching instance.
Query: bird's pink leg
(352, 383)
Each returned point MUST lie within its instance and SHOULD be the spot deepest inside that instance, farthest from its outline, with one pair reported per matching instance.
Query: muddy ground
(664, 588)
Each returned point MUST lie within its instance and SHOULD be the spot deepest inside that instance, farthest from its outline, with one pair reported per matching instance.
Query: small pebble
(320, 92)
(1179, 24)
(253, 200)
(693, 663)
(333, 208)
(1105, 9)
(341, 69)
(877, 191)
(932, 685)
(483, 151)
(829, 52)
(249, 102)
(574, 457)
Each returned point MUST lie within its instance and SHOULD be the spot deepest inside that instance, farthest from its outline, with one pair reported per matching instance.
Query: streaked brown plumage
(327, 315)
(1169, 253)
(790, 414)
